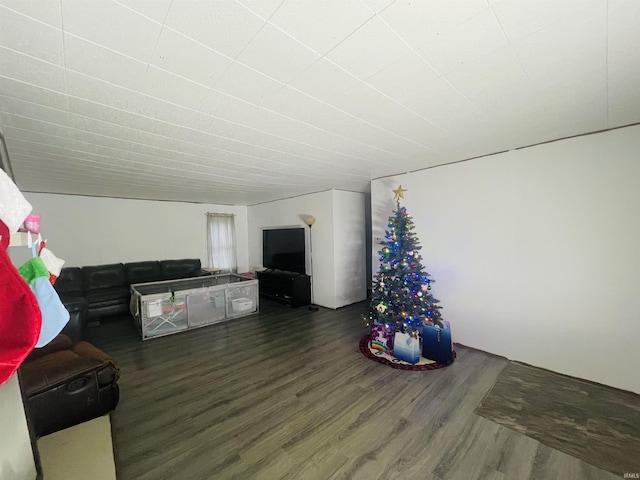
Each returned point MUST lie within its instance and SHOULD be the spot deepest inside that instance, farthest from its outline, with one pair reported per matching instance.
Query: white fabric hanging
(14, 208)
(221, 241)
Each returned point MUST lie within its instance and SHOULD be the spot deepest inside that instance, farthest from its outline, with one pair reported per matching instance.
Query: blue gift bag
(406, 347)
(436, 344)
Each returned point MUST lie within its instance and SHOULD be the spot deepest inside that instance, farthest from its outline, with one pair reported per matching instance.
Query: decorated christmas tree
(401, 296)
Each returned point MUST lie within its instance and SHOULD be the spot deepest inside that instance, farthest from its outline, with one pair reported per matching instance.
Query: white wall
(96, 230)
(536, 252)
(16, 455)
(338, 241)
(349, 237)
(288, 213)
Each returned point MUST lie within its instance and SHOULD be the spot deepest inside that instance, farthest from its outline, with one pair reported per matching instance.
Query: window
(221, 241)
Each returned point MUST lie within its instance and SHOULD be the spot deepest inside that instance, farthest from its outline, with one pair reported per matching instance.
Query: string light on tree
(401, 294)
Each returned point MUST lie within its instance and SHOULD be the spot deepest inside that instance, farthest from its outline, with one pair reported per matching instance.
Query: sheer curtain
(221, 241)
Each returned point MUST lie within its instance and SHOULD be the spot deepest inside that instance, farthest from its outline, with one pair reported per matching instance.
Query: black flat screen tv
(284, 249)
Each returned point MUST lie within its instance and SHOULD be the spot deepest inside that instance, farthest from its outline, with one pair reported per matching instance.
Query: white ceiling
(246, 101)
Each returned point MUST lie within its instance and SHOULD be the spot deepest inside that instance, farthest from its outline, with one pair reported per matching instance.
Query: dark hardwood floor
(286, 394)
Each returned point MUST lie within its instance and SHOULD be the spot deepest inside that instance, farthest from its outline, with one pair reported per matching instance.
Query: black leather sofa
(105, 289)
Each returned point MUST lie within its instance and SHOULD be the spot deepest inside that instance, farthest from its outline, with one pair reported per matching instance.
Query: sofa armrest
(201, 273)
(87, 350)
(76, 327)
(58, 368)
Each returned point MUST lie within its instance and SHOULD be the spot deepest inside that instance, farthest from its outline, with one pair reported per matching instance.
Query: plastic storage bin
(240, 305)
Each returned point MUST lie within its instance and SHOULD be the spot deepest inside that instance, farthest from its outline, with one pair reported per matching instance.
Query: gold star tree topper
(399, 193)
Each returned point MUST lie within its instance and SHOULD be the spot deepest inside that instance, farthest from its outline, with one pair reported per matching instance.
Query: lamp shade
(309, 220)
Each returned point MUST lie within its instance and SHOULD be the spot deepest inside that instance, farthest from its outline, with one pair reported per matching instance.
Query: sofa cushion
(71, 297)
(100, 311)
(143, 272)
(69, 281)
(175, 269)
(107, 295)
(103, 276)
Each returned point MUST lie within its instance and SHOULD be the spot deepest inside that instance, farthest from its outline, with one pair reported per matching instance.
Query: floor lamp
(309, 220)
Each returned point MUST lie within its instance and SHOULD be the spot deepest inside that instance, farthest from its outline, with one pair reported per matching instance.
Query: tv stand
(287, 287)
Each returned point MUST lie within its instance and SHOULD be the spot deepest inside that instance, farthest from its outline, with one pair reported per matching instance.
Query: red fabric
(5, 236)
(20, 317)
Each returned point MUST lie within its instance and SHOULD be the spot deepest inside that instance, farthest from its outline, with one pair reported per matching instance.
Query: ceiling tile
(15, 135)
(189, 59)
(248, 84)
(174, 89)
(499, 89)
(125, 107)
(277, 55)
(421, 22)
(378, 6)
(223, 105)
(79, 85)
(578, 112)
(262, 127)
(30, 37)
(520, 18)
(566, 62)
(134, 36)
(404, 78)
(623, 38)
(371, 48)
(98, 62)
(25, 91)
(301, 107)
(105, 126)
(46, 11)
(446, 107)
(460, 45)
(624, 101)
(324, 79)
(520, 123)
(263, 8)
(57, 129)
(34, 110)
(224, 25)
(320, 25)
(623, 62)
(411, 127)
(497, 74)
(154, 9)
(362, 101)
(31, 70)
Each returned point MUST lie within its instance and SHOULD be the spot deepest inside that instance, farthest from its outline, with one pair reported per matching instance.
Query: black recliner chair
(68, 381)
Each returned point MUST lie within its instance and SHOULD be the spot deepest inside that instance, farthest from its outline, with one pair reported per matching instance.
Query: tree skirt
(390, 360)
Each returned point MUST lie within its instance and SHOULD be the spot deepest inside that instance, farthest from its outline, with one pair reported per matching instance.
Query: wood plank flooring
(286, 394)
